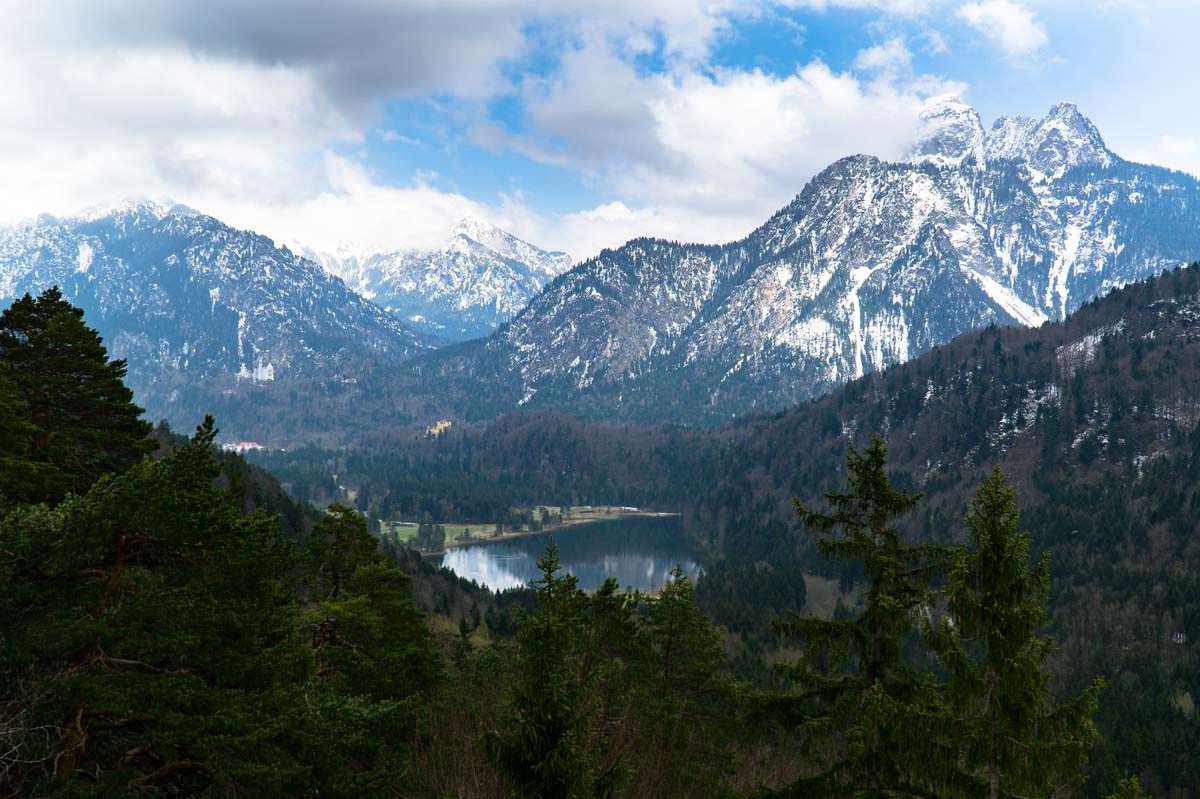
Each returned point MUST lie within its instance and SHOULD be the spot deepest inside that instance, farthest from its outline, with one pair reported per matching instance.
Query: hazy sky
(576, 124)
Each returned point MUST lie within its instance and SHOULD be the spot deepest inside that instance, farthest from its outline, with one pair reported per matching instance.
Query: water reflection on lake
(638, 552)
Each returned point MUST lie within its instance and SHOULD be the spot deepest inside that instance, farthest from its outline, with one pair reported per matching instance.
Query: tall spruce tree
(866, 714)
(374, 652)
(543, 750)
(685, 697)
(85, 422)
(1014, 741)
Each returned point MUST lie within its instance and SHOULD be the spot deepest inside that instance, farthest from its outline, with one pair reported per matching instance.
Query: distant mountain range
(870, 265)
(477, 280)
(195, 304)
(873, 263)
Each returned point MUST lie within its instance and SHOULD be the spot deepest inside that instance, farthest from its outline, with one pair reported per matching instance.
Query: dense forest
(1095, 420)
(174, 625)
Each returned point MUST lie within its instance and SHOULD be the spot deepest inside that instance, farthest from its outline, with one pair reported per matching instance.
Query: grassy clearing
(823, 594)
(404, 531)
(549, 517)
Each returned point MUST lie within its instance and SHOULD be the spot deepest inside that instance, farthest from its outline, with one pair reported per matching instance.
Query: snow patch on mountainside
(858, 276)
(83, 258)
(1060, 270)
(1013, 305)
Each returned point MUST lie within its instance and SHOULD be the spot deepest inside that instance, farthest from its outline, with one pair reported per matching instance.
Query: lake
(638, 552)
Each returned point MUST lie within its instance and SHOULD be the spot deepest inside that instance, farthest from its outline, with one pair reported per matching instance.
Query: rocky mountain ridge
(466, 288)
(873, 263)
(191, 302)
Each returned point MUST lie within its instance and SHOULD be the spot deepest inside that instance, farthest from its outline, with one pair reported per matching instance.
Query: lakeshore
(466, 535)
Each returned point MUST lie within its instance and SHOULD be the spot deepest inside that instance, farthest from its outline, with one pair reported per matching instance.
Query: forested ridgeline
(158, 639)
(1095, 418)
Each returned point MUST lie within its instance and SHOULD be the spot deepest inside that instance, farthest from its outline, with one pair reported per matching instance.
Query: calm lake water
(638, 552)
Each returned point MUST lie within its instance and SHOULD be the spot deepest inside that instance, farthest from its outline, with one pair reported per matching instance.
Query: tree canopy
(84, 421)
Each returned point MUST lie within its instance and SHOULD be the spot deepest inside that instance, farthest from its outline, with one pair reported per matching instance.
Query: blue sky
(376, 124)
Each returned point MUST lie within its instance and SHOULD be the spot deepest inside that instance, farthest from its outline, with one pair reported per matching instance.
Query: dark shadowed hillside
(1095, 418)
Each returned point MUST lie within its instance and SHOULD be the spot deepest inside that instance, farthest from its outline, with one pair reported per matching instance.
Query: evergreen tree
(18, 473)
(687, 699)
(686, 647)
(153, 629)
(866, 714)
(151, 646)
(368, 636)
(338, 545)
(543, 751)
(85, 422)
(373, 649)
(1013, 742)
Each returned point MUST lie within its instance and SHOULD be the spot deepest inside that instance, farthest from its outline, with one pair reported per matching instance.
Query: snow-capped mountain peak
(194, 303)
(1060, 141)
(474, 281)
(951, 132)
(487, 234)
(129, 208)
(550, 264)
(952, 135)
(871, 264)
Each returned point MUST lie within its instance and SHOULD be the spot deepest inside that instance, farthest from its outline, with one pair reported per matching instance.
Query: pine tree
(369, 638)
(155, 629)
(374, 652)
(865, 711)
(338, 546)
(686, 696)
(1013, 741)
(151, 646)
(85, 422)
(543, 751)
(18, 473)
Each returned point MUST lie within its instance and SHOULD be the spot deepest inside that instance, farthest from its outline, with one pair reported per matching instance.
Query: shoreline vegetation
(544, 519)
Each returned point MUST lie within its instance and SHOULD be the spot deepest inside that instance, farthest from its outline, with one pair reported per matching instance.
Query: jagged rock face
(479, 279)
(190, 301)
(872, 264)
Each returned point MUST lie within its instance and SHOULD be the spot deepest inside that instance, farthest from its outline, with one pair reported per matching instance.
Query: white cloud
(397, 137)
(1011, 27)
(1176, 152)
(86, 128)
(356, 212)
(239, 109)
(898, 7)
(934, 42)
(707, 155)
(890, 57)
(250, 111)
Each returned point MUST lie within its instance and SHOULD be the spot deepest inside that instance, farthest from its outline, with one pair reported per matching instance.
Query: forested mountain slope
(1096, 419)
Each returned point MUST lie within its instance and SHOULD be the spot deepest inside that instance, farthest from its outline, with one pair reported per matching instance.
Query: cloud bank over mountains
(595, 121)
